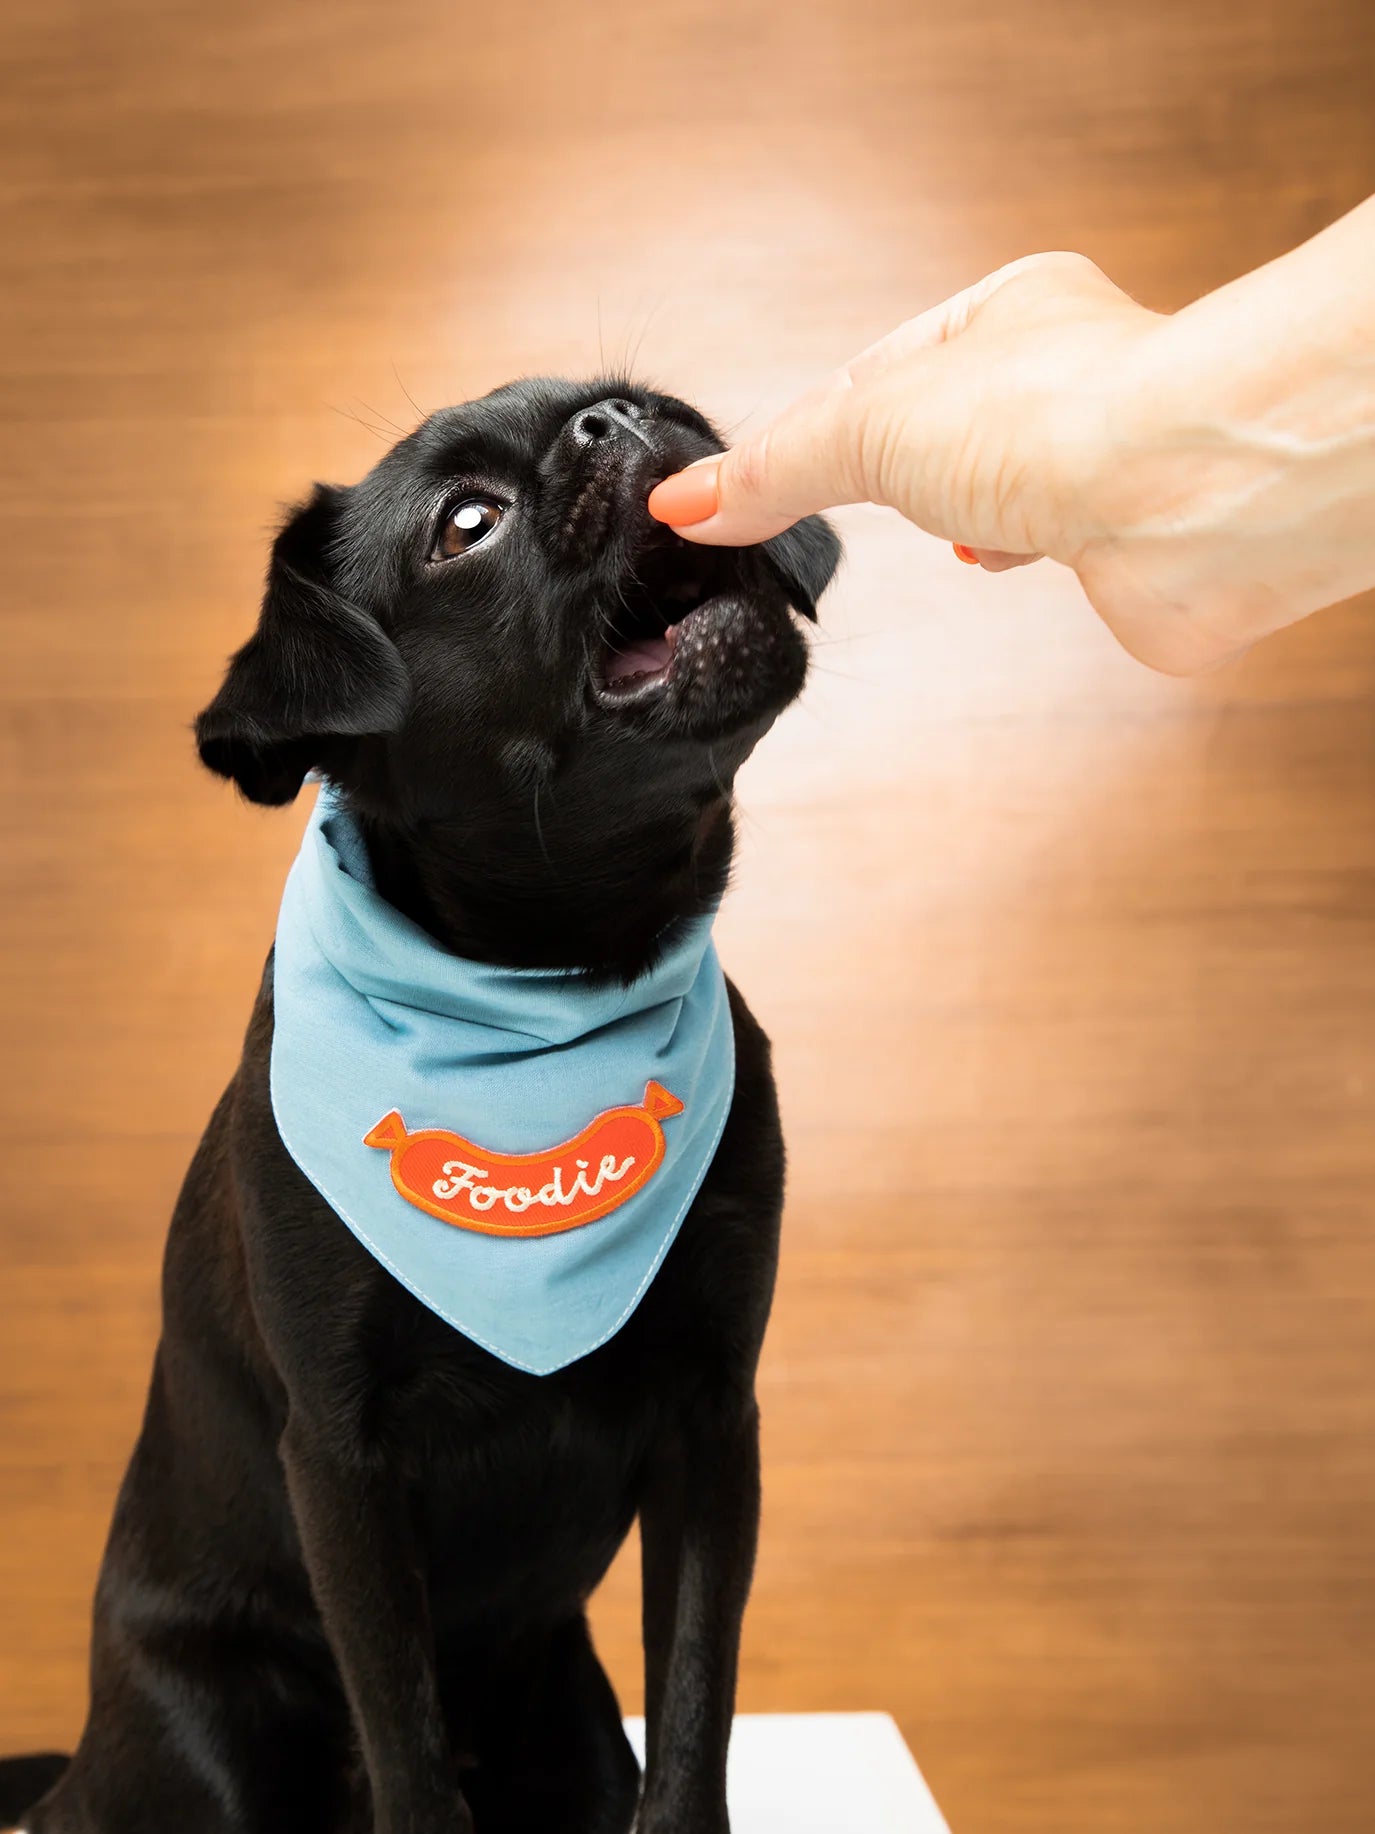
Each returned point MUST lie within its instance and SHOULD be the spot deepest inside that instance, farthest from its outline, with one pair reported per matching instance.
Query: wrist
(1235, 453)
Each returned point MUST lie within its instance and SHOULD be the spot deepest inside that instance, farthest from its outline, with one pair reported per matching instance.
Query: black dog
(346, 1578)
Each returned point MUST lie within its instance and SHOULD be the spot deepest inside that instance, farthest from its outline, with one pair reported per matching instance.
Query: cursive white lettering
(461, 1179)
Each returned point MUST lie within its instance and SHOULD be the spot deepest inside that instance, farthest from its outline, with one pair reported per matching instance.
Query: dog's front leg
(699, 1525)
(372, 1597)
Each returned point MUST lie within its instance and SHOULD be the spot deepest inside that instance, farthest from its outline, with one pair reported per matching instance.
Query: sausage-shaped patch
(542, 1193)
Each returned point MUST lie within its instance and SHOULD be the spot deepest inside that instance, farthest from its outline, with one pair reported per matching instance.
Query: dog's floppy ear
(316, 668)
(803, 560)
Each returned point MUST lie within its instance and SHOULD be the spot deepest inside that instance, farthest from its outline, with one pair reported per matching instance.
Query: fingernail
(687, 497)
(967, 555)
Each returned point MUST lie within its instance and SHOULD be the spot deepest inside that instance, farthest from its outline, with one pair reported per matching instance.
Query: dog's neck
(496, 891)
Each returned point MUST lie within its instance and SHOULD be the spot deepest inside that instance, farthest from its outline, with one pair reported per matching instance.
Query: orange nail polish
(967, 555)
(687, 497)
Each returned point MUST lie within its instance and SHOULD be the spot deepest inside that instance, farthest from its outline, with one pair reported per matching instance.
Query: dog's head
(490, 634)
(493, 598)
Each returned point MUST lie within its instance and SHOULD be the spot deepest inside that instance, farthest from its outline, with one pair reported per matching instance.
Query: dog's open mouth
(671, 583)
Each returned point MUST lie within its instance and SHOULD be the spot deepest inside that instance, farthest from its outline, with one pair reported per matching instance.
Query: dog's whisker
(349, 414)
(650, 316)
(386, 419)
(829, 639)
(716, 773)
(731, 427)
(407, 393)
(821, 668)
(539, 828)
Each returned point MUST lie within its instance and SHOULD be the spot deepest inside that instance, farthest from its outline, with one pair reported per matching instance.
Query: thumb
(806, 461)
(813, 456)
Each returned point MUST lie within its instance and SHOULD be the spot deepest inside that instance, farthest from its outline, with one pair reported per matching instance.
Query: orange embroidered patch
(543, 1193)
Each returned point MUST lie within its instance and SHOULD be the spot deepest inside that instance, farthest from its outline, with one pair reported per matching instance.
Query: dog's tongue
(645, 656)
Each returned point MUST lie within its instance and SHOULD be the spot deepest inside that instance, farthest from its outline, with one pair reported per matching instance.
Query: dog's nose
(606, 420)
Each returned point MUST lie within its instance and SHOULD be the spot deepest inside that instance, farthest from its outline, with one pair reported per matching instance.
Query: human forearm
(1233, 490)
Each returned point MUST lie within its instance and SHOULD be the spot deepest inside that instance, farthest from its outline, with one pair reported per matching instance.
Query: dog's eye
(466, 524)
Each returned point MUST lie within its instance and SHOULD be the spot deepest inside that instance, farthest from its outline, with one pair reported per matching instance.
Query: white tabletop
(822, 1773)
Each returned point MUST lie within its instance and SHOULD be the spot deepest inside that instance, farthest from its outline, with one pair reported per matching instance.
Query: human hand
(1044, 412)
(960, 419)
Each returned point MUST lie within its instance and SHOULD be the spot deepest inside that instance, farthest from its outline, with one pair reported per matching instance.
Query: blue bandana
(519, 1148)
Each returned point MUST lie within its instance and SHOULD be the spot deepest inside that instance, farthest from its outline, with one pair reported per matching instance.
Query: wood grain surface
(1070, 1393)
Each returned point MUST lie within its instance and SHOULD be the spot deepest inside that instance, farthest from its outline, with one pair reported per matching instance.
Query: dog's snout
(598, 471)
(606, 420)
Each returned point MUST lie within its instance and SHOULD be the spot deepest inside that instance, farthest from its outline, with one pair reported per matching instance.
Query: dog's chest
(517, 1147)
(523, 1492)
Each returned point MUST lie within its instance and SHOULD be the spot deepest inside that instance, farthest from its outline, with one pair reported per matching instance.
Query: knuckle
(745, 470)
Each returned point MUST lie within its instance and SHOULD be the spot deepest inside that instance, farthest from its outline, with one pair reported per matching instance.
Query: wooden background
(1070, 1394)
